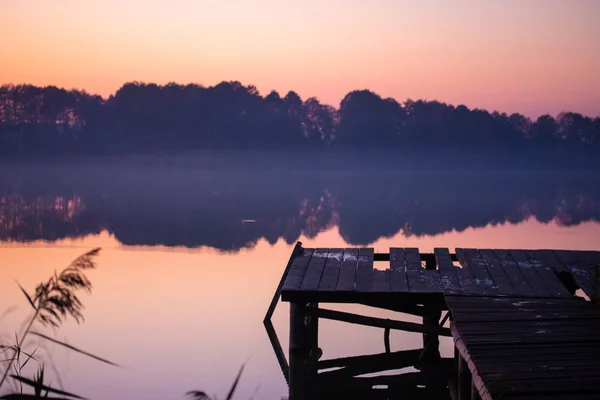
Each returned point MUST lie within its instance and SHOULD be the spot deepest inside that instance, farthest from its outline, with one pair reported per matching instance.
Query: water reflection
(233, 208)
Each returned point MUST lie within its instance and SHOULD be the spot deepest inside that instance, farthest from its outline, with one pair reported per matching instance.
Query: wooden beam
(381, 257)
(298, 351)
(297, 249)
(464, 379)
(402, 357)
(283, 364)
(386, 340)
(409, 379)
(476, 380)
(377, 322)
(401, 307)
(359, 365)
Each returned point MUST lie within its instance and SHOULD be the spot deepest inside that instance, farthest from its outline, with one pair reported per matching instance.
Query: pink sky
(528, 56)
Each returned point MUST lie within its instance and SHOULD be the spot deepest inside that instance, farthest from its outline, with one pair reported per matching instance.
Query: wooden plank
(314, 271)
(448, 274)
(467, 280)
(462, 348)
(593, 256)
(517, 354)
(593, 260)
(501, 301)
(381, 281)
(582, 277)
(419, 279)
(497, 273)
(298, 270)
(530, 273)
(514, 273)
(276, 296)
(331, 271)
(364, 270)
(347, 276)
(586, 269)
(547, 272)
(471, 260)
(551, 260)
(414, 276)
(398, 270)
(413, 260)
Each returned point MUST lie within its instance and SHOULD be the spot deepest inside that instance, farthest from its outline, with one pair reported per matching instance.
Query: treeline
(49, 120)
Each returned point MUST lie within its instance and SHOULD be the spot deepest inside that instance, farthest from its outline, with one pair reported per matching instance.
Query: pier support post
(464, 379)
(431, 340)
(304, 351)
(314, 352)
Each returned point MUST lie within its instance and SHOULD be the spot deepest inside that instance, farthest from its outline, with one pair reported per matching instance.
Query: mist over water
(231, 202)
(194, 246)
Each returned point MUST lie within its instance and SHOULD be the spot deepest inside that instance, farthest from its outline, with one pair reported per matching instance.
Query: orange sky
(531, 56)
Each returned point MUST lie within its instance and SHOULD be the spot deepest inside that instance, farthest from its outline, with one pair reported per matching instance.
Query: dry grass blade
(48, 389)
(29, 299)
(29, 357)
(235, 383)
(68, 346)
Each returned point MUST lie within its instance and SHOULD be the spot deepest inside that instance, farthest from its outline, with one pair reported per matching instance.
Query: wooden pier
(520, 324)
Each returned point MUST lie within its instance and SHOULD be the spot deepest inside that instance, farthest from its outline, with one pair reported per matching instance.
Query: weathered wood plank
(551, 260)
(448, 274)
(398, 270)
(501, 280)
(381, 281)
(547, 272)
(593, 260)
(462, 348)
(414, 276)
(419, 279)
(315, 270)
(517, 346)
(364, 270)
(467, 279)
(514, 273)
(471, 260)
(582, 277)
(413, 259)
(331, 271)
(298, 270)
(585, 270)
(347, 276)
(530, 273)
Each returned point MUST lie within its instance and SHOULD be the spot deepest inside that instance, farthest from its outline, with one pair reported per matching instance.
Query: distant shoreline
(326, 159)
(149, 118)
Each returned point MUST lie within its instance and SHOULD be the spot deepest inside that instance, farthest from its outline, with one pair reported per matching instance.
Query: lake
(193, 248)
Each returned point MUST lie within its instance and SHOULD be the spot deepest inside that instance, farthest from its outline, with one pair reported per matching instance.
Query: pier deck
(528, 349)
(347, 275)
(520, 324)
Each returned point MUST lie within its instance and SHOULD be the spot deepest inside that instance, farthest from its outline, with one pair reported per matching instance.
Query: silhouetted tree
(367, 119)
(140, 116)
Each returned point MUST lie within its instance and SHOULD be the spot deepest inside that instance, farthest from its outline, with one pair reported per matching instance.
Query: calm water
(193, 249)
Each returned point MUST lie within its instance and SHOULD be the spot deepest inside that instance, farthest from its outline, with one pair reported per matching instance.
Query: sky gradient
(528, 56)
